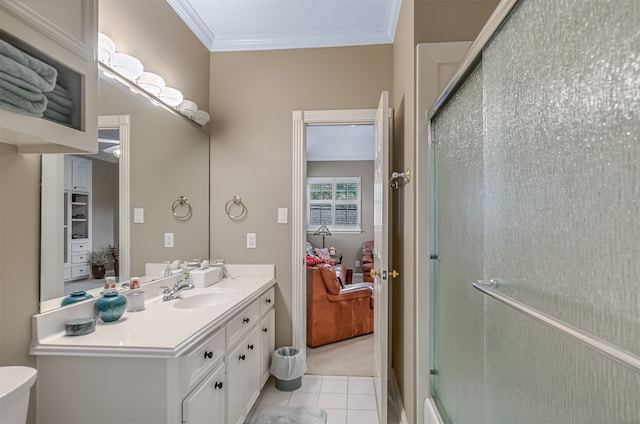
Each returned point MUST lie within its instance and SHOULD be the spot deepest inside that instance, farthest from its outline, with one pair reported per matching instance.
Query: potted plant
(98, 260)
(114, 257)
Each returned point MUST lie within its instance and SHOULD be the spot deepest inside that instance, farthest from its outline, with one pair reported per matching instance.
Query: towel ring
(237, 201)
(182, 201)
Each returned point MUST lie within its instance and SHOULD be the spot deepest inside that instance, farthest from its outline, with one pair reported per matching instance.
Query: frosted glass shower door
(457, 345)
(562, 210)
(536, 185)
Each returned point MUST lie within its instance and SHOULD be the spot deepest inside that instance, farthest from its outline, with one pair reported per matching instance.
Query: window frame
(334, 181)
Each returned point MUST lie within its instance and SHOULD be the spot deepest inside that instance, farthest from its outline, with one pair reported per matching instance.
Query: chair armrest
(350, 295)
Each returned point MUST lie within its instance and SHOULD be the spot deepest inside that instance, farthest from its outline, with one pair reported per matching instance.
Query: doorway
(339, 220)
(301, 121)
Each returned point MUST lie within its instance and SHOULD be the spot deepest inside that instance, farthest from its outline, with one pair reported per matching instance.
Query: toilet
(15, 383)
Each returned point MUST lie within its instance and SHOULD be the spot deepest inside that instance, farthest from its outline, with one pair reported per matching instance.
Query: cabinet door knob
(241, 357)
(264, 330)
(250, 347)
(268, 300)
(208, 354)
(245, 320)
(218, 385)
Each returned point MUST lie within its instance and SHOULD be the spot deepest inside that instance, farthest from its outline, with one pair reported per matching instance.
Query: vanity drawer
(81, 270)
(199, 360)
(238, 325)
(79, 258)
(80, 246)
(267, 301)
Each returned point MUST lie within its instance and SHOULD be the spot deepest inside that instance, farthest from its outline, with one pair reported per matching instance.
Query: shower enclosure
(535, 160)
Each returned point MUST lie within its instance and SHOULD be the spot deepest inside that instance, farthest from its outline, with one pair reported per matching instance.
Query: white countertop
(159, 331)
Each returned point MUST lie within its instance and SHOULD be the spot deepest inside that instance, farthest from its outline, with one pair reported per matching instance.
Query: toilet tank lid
(14, 378)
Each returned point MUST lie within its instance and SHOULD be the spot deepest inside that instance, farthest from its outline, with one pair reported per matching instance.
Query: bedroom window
(334, 202)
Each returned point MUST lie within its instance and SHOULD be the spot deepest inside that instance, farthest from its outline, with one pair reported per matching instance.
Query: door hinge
(435, 257)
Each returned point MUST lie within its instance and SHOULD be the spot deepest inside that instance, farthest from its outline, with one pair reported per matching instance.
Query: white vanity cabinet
(268, 344)
(207, 402)
(211, 371)
(267, 333)
(63, 34)
(247, 361)
(243, 376)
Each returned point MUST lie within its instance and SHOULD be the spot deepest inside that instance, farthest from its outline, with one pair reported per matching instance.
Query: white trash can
(288, 365)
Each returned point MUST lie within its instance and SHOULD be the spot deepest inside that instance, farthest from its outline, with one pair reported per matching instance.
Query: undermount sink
(211, 298)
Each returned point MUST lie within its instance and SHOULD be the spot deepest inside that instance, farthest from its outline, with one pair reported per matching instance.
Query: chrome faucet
(178, 288)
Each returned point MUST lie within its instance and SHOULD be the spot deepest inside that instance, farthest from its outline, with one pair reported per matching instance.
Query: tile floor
(347, 400)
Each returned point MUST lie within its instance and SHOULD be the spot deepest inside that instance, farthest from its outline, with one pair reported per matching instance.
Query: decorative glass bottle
(110, 306)
(75, 296)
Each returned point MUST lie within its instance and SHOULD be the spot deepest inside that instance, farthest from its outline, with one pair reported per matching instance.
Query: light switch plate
(138, 215)
(282, 215)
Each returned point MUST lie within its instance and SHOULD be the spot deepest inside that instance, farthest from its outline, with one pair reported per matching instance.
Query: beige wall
(253, 95)
(422, 21)
(19, 255)
(166, 46)
(151, 31)
(402, 200)
(250, 97)
(104, 203)
(169, 158)
(349, 245)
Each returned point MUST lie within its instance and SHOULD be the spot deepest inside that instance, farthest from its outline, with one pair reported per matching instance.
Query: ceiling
(243, 25)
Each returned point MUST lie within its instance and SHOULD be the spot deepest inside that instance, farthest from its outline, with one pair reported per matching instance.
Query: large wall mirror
(148, 157)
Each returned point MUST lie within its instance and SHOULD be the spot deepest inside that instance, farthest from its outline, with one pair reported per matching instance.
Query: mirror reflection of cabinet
(77, 215)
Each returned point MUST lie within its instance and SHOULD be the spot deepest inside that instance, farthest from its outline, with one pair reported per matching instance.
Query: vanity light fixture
(106, 49)
(127, 66)
(153, 83)
(187, 108)
(171, 96)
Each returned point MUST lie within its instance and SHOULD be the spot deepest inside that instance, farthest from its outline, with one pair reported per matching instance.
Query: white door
(381, 254)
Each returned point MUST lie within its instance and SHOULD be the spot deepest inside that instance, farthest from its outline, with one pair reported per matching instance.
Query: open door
(381, 255)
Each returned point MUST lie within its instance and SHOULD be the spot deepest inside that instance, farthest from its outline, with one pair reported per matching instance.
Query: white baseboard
(396, 398)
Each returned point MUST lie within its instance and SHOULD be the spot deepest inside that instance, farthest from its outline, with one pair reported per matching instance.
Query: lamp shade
(127, 66)
(322, 231)
(152, 83)
(171, 96)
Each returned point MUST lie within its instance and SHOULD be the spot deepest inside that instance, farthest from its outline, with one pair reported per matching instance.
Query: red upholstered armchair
(367, 260)
(333, 313)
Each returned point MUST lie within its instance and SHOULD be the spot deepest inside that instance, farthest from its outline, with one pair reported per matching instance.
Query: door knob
(373, 273)
(393, 274)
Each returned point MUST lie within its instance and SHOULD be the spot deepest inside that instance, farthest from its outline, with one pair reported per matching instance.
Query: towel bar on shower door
(625, 358)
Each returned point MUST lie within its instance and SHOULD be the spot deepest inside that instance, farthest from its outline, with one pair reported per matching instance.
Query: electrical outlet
(251, 240)
(357, 264)
(168, 239)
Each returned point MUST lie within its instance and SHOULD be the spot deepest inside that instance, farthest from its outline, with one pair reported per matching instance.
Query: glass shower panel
(562, 201)
(458, 310)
